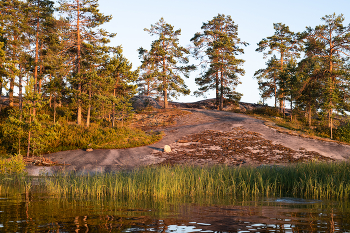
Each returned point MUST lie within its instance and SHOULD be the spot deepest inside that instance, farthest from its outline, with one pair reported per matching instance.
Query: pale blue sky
(255, 20)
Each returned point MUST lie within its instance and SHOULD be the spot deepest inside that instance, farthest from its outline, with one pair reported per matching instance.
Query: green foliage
(98, 137)
(12, 165)
(286, 45)
(37, 134)
(319, 83)
(268, 79)
(64, 136)
(266, 111)
(342, 133)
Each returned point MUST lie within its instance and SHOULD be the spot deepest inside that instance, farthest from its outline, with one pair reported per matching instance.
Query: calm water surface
(42, 213)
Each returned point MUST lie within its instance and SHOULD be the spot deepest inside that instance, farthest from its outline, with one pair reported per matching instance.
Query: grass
(312, 180)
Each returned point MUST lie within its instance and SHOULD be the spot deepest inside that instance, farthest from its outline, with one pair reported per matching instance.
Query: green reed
(311, 180)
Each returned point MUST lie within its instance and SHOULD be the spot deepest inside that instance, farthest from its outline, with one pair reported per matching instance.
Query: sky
(254, 18)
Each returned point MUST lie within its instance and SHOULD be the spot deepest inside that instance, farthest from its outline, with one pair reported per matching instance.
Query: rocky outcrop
(141, 102)
(210, 104)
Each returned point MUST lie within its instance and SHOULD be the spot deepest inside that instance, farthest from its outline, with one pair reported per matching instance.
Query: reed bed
(311, 180)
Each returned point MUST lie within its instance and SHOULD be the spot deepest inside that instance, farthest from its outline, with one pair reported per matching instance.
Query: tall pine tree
(169, 60)
(285, 44)
(218, 45)
(268, 79)
(330, 43)
(13, 23)
(85, 21)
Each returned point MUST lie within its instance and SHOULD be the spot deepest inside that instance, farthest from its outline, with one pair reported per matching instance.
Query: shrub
(12, 165)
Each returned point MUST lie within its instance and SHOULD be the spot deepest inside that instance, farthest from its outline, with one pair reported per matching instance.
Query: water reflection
(46, 214)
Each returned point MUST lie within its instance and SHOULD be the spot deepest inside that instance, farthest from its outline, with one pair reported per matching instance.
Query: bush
(343, 133)
(267, 111)
(12, 165)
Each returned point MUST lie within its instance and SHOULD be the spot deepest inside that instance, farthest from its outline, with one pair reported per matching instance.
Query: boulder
(167, 149)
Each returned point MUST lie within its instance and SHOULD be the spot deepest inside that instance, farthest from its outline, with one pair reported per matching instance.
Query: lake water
(43, 213)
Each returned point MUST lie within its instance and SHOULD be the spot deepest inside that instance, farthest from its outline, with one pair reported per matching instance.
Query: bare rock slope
(207, 137)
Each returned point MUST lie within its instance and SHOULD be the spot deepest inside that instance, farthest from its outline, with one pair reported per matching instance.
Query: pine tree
(55, 63)
(2, 57)
(13, 23)
(309, 95)
(217, 46)
(290, 83)
(85, 19)
(147, 82)
(167, 54)
(121, 79)
(40, 13)
(330, 43)
(268, 79)
(285, 43)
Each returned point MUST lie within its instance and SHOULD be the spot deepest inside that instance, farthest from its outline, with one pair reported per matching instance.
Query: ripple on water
(291, 200)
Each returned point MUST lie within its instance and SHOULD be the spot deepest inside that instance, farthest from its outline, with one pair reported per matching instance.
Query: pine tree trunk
(0, 95)
(331, 127)
(275, 95)
(217, 90)
(148, 84)
(20, 94)
(36, 60)
(331, 89)
(165, 91)
(40, 81)
(78, 64)
(282, 95)
(217, 81)
(29, 135)
(88, 116)
(165, 98)
(28, 146)
(54, 110)
(40, 77)
(330, 120)
(309, 115)
(291, 109)
(12, 85)
(113, 111)
(89, 109)
(79, 105)
(221, 92)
